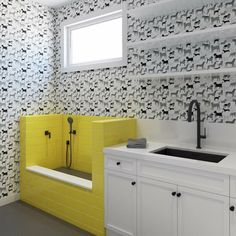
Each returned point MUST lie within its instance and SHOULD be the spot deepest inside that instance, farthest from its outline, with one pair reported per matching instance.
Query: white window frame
(79, 22)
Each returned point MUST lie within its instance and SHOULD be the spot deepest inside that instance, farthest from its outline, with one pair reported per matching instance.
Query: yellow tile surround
(78, 206)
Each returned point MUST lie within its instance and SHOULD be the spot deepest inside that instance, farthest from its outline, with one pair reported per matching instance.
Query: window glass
(97, 42)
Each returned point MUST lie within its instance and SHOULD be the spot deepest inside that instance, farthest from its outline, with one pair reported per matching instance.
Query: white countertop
(226, 166)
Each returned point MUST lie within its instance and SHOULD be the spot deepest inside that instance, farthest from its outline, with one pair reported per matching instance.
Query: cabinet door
(156, 208)
(232, 217)
(202, 214)
(120, 203)
(233, 186)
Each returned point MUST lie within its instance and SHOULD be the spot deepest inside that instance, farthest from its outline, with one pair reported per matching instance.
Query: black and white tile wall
(112, 91)
(26, 78)
(31, 81)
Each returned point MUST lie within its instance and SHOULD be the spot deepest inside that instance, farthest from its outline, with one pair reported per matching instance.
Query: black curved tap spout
(190, 112)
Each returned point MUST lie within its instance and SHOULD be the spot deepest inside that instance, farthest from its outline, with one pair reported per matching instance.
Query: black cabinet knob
(232, 208)
(133, 183)
(173, 193)
(118, 163)
(178, 195)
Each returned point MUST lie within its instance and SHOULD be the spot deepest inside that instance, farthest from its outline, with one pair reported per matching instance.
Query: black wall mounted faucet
(199, 136)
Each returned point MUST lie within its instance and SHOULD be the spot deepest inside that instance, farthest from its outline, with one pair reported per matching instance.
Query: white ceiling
(54, 3)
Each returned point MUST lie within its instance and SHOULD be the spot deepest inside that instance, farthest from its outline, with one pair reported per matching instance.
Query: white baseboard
(12, 198)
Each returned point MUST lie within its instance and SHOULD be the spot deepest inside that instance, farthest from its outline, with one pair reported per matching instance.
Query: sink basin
(188, 154)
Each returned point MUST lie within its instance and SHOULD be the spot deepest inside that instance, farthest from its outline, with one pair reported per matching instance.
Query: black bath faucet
(199, 136)
(47, 133)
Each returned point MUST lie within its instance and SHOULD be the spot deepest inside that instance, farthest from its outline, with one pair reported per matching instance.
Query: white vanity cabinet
(120, 197)
(232, 206)
(202, 212)
(167, 200)
(165, 209)
(233, 187)
(232, 216)
(156, 208)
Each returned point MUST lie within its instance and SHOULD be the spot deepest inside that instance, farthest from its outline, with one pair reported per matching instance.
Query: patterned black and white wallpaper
(112, 92)
(26, 78)
(31, 81)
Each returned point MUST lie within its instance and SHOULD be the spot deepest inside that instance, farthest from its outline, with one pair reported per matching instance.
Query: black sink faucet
(199, 136)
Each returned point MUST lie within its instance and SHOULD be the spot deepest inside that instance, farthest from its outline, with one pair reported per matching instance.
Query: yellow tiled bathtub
(77, 201)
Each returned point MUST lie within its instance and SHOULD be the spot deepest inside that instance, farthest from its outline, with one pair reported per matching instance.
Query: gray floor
(76, 173)
(20, 219)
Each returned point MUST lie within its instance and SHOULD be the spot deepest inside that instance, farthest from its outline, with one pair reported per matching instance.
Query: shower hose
(69, 157)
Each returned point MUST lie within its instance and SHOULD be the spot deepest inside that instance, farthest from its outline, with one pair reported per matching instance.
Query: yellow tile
(75, 205)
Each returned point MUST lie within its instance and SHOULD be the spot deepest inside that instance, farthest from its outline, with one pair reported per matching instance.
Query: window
(95, 42)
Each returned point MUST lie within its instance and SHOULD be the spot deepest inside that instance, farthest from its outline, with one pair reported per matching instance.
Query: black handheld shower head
(70, 120)
(69, 158)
